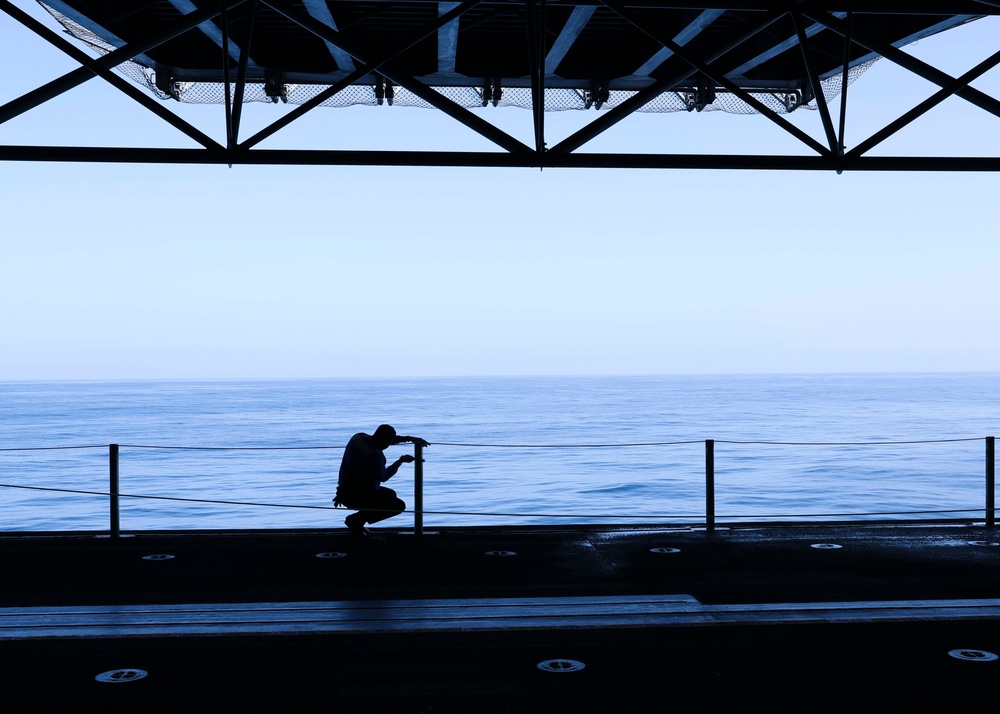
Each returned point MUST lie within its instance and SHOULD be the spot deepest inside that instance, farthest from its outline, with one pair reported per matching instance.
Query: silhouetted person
(362, 472)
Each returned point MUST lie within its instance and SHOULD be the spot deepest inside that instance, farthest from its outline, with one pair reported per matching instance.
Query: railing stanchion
(418, 489)
(991, 482)
(710, 485)
(113, 489)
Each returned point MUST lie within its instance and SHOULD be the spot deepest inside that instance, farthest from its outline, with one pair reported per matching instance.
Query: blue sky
(131, 271)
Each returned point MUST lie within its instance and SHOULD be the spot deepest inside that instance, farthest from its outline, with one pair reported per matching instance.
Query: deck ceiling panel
(708, 34)
(591, 56)
(774, 58)
(192, 49)
(380, 28)
(272, 35)
(492, 39)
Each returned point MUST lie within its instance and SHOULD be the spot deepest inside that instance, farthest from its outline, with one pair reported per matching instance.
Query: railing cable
(230, 448)
(849, 443)
(488, 514)
(513, 446)
(569, 446)
(53, 448)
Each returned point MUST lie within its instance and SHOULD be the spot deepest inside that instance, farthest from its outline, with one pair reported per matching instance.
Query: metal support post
(113, 489)
(991, 482)
(418, 489)
(710, 485)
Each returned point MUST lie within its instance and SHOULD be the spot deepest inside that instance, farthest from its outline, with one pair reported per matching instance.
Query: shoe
(356, 526)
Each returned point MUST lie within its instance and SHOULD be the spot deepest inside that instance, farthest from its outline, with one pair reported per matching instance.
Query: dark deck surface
(436, 623)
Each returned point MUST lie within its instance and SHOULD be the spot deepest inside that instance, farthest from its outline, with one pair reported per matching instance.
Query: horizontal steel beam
(883, 7)
(304, 157)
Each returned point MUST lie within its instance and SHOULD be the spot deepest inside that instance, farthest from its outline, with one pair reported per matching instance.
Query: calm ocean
(505, 450)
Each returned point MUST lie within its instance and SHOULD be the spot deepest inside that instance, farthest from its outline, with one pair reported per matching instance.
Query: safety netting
(700, 98)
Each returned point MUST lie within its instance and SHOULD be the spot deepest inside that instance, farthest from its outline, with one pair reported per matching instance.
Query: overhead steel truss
(636, 50)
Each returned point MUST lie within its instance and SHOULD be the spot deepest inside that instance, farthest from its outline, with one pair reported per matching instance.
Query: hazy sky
(132, 271)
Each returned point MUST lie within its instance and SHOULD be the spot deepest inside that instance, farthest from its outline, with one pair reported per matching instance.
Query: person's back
(362, 470)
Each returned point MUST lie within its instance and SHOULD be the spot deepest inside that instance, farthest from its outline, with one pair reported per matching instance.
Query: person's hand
(337, 503)
(406, 459)
(418, 441)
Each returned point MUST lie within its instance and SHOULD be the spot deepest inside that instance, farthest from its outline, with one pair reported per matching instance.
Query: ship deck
(496, 619)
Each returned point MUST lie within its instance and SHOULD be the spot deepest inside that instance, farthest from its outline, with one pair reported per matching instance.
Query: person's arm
(412, 439)
(392, 468)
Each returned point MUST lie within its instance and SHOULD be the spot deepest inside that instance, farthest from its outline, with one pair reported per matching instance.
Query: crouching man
(363, 471)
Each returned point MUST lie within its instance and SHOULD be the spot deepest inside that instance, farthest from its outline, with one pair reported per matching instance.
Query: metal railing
(710, 517)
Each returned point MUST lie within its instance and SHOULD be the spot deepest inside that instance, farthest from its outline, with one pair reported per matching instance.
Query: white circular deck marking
(664, 550)
(159, 556)
(502, 553)
(826, 546)
(116, 676)
(983, 542)
(974, 655)
(332, 554)
(561, 665)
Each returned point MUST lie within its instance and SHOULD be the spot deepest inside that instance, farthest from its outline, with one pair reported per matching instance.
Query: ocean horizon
(264, 453)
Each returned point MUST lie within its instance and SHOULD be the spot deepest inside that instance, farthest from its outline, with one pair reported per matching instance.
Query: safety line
(849, 443)
(518, 446)
(699, 516)
(54, 448)
(569, 446)
(161, 498)
(230, 448)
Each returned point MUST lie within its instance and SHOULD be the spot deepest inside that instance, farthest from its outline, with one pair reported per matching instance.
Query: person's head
(384, 436)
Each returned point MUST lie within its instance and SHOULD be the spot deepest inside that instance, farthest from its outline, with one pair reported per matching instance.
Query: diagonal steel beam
(843, 79)
(773, 51)
(447, 41)
(95, 28)
(569, 34)
(77, 77)
(540, 70)
(118, 82)
(227, 79)
(357, 74)
(646, 95)
(704, 20)
(421, 90)
(719, 79)
(214, 34)
(925, 106)
(321, 11)
(241, 73)
(909, 62)
(536, 68)
(814, 83)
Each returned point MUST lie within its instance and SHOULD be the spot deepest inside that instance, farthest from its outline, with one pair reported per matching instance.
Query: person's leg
(381, 505)
(377, 507)
(356, 524)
